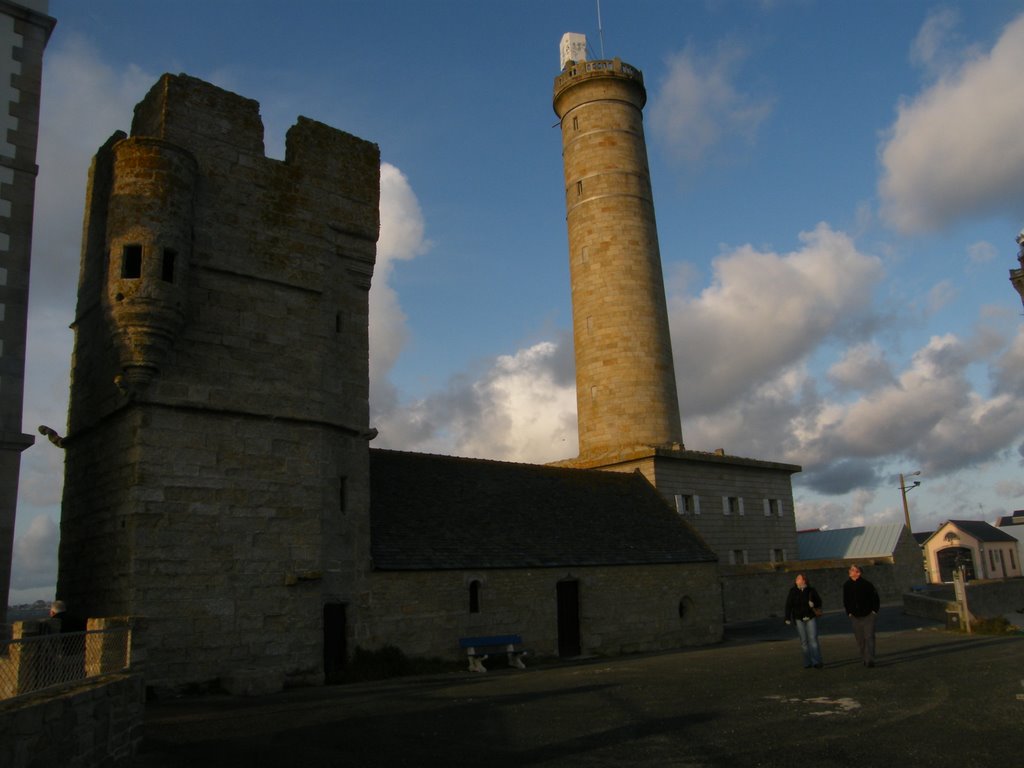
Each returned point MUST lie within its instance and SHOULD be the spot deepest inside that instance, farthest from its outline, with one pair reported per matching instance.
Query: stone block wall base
(252, 682)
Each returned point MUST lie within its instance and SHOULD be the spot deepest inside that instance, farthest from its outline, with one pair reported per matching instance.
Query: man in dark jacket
(860, 599)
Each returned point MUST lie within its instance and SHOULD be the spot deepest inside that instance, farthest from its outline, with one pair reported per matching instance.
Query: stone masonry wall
(219, 488)
(624, 609)
(751, 593)
(96, 723)
(625, 380)
(708, 481)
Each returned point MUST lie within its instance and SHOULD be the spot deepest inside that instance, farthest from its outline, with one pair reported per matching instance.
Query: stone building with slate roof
(219, 484)
(576, 561)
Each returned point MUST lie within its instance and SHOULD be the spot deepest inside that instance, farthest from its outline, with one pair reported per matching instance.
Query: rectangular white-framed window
(738, 557)
(687, 503)
(732, 505)
(776, 555)
(773, 507)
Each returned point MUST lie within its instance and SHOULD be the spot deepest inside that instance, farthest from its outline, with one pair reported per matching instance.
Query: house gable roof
(845, 543)
(431, 512)
(978, 530)
(1017, 518)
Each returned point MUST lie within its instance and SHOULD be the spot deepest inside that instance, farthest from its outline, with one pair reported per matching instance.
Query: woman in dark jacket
(803, 606)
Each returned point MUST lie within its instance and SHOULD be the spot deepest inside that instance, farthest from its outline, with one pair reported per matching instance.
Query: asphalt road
(935, 699)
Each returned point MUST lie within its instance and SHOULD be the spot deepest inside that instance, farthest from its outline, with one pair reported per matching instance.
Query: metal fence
(33, 663)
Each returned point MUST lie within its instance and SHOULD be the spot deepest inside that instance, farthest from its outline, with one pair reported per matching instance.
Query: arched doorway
(951, 558)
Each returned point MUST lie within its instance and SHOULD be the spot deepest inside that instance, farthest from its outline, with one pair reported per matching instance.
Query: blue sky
(838, 187)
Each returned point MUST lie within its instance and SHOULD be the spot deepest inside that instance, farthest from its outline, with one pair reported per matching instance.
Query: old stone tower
(625, 380)
(216, 456)
(628, 408)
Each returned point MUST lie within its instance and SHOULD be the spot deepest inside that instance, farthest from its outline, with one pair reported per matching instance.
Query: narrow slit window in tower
(167, 270)
(575, 123)
(131, 262)
(579, 188)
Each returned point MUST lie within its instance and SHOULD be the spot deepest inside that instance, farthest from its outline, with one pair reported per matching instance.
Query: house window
(687, 504)
(732, 505)
(474, 596)
(773, 508)
(992, 559)
(1013, 561)
(737, 557)
(777, 555)
(131, 262)
(167, 270)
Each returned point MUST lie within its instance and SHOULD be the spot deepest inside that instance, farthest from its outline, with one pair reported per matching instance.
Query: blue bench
(479, 648)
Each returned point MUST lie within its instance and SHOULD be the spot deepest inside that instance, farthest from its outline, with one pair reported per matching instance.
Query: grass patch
(997, 626)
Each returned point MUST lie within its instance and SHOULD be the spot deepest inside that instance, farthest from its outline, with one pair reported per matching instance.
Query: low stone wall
(753, 592)
(94, 723)
(991, 598)
(987, 599)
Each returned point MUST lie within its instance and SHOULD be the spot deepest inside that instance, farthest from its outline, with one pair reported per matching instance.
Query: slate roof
(843, 543)
(980, 530)
(1017, 518)
(430, 512)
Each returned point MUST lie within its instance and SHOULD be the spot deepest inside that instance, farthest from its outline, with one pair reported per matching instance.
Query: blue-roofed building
(862, 542)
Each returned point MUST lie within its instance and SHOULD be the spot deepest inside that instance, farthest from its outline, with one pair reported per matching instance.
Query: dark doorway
(335, 648)
(950, 559)
(568, 593)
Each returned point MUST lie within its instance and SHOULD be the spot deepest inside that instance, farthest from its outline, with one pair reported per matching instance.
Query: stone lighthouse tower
(625, 380)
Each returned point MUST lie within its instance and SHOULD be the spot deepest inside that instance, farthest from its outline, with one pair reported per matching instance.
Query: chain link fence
(32, 663)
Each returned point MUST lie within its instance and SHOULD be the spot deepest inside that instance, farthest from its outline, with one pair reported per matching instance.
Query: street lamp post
(903, 490)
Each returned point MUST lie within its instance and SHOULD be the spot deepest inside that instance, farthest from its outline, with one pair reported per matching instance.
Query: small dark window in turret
(131, 262)
(167, 271)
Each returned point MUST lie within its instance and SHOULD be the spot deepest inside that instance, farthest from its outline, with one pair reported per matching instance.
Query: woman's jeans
(808, 632)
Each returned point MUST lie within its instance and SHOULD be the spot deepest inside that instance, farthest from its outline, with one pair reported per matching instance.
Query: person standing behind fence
(803, 606)
(61, 621)
(860, 599)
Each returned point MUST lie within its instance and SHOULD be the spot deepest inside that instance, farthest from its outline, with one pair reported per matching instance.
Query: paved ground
(935, 699)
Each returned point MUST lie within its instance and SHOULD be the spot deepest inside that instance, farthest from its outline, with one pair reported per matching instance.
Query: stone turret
(625, 380)
(149, 237)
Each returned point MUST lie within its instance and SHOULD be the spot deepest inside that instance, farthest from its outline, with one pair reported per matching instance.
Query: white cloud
(765, 312)
(981, 252)
(401, 238)
(930, 48)
(930, 414)
(34, 563)
(863, 366)
(957, 149)
(698, 104)
(522, 408)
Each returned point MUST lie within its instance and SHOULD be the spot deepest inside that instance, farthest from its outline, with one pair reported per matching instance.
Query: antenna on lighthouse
(600, 30)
